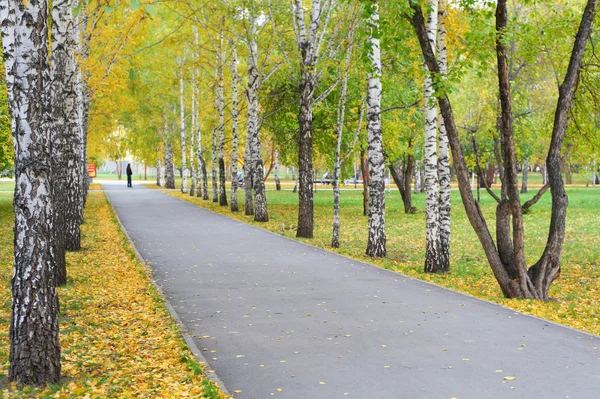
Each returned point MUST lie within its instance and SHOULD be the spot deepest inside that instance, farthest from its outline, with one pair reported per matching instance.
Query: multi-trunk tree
(506, 255)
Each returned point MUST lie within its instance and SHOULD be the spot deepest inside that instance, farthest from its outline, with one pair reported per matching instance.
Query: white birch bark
(75, 149)
(234, 128)
(192, 158)
(215, 189)
(444, 153)
(376, 245)
(64, 130)
(159, 179)
(432, 216)
(276, 170)
(254, 168)
(184, 169)
(168, 148)
(34, 345)
(221, 110)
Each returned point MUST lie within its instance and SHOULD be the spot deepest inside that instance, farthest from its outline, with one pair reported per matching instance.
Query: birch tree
(215, 185)
(444, 155)
(309, 37)
(340, 121)
(34, 345)
(276, 170)
(168, 149)
(234, 127)
(221, 110)
(433, 259)
(63, 126)
(376, 244)
(253, 164)
(182, 133)
(506, 255)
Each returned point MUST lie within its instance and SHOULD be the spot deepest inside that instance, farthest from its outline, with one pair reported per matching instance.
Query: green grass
(7, 185)
(579, 283)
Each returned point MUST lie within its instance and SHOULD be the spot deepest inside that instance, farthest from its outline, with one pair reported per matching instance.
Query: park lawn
(7, 185)
(576, 294)
(117, 338)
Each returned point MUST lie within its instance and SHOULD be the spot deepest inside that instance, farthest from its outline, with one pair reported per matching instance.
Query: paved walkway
(278, 318)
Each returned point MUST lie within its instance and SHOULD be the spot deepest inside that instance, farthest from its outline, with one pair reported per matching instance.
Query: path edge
(189, 340)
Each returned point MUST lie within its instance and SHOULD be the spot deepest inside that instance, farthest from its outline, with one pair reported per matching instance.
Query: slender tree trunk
(215, 190)
(418, 182)
(234, 140)
(408, 173)
(194, 181)
(402, 181)
(169, 172)
(525, 172)
(305, 172)
(444, 155)
(184, 169)
(433, 258)
(34, 345)
(221, 109)
(192, 165)
(276, 171)
(341, 117)
(159, 181)
(256, 171)
(376, 245)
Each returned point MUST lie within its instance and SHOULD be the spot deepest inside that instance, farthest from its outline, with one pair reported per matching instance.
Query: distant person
(129, 173)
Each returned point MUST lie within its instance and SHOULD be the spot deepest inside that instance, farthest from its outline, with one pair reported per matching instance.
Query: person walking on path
(129, 173)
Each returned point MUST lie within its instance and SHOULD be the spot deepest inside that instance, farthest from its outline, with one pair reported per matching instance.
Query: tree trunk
(525, 172)
(403, 184)
(34, 345)
(184, 169)
(221, 109)
(63, 131)
(169, 172)
(305, 172)
(159, 181)
(276, 171)
(418, 182)
(234, 139)
(433, 255)
(341, 113)
(256, 171)
(376, 244)
(444, 156)
(215, 190)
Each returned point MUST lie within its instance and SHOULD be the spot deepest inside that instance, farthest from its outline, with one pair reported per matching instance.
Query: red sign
(91, 170)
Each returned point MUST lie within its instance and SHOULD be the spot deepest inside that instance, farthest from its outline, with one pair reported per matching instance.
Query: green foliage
(6, 141)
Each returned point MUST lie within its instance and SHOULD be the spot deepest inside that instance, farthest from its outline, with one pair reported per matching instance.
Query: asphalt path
(278, 318)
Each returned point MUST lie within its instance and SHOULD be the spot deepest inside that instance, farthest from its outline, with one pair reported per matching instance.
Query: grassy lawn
(117, 338)
(576, 293)
(7, 185)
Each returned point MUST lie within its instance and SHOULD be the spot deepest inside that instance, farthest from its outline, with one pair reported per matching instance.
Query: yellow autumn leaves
(117, 338)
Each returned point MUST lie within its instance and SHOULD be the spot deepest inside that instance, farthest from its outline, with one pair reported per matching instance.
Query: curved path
(275, 317)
